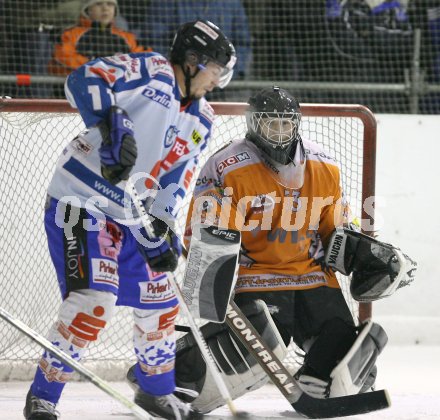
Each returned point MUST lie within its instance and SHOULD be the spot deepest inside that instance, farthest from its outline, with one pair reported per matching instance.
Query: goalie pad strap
(240, 371)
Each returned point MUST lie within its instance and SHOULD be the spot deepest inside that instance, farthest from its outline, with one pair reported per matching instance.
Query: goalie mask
(200, 42)
(273, 119)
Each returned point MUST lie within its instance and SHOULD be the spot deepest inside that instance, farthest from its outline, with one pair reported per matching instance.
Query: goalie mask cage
(33, 133)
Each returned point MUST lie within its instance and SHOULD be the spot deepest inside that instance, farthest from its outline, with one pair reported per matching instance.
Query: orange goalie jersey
(284, 230)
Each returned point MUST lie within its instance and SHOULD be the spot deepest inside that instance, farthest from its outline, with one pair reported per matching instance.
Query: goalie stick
(90, 376)
(302, 403)
(197, 334)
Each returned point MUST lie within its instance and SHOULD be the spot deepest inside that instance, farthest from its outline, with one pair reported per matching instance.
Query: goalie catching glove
(118, 151)
(378, 269)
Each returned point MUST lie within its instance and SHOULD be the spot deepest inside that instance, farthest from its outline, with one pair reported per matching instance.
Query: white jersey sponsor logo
(131, 65)
(156, 291)
(158, 64)
(105, 271)
(232, 160)
(158, 96)
(170, 136)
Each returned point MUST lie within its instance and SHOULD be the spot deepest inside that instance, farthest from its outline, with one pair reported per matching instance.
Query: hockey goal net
(33, 134)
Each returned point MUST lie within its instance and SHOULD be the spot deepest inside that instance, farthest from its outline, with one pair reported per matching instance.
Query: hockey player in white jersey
(145, 114)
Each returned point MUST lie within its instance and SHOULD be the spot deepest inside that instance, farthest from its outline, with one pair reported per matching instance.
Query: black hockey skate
(39, 409)
(166, 406)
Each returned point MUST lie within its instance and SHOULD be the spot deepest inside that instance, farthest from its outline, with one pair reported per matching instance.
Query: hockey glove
(118, 151)
(164, 256)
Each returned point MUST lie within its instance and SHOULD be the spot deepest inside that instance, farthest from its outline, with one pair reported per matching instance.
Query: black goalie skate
(39, 409)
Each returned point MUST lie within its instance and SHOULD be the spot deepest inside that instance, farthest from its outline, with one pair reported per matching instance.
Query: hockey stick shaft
(283, 380)
(65, 358)
(252, 340)
(204, 349)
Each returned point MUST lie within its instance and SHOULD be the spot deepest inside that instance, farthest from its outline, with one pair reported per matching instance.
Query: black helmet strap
(188, 76)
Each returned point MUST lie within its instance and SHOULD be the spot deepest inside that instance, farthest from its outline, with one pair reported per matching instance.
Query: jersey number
(95, 92)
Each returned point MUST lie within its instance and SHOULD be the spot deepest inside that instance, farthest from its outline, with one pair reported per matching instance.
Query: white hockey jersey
(169, 137)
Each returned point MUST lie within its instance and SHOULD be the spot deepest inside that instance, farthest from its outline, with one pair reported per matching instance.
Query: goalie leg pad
(240, 371)
(353, 371)
(341, 361)
(379, 269)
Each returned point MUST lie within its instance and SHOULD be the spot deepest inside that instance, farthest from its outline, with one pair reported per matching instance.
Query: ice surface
(410, 373)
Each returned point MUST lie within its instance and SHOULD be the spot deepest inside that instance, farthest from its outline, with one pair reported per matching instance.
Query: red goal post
(33, 133)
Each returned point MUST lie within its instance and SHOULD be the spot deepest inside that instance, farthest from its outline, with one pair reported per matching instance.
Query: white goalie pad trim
(342, 382)
(240, 383)
(211, 271)
(405, 275)
(348, 376)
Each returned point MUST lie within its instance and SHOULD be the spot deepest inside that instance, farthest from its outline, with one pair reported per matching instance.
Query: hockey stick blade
(90, 376)
(301, 402)
(315, 408)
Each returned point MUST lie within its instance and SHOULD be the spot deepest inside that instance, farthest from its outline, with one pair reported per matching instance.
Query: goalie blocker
(378, 269)
(211, 271)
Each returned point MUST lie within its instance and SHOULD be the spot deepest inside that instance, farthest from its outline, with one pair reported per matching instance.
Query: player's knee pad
(82, 315)
(341, 361)
(240, 370)
(154, 339)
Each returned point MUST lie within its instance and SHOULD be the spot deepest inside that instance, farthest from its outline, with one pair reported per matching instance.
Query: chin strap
(184, 101)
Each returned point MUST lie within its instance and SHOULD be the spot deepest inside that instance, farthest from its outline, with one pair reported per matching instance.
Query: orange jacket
(80, 44)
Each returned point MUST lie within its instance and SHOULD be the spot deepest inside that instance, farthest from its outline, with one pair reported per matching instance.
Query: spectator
(425, 15)
(95, 36)
(372, 37)
(164, 16)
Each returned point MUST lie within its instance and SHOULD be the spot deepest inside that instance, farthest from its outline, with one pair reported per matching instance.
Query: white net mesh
(31, 143)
